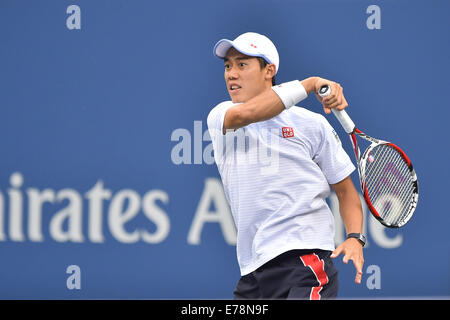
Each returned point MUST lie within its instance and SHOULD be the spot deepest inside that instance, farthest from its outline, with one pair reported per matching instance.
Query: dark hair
(262, 64)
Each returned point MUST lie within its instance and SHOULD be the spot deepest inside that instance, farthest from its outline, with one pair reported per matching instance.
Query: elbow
(245, 117)
(238, 118)
(344, 188)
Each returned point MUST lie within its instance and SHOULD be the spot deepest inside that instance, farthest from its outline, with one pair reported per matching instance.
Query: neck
(267, 86)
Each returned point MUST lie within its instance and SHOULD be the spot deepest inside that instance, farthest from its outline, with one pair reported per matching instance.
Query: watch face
(362, 239)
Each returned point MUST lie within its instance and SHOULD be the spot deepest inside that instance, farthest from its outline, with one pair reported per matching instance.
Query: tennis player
(285, 229)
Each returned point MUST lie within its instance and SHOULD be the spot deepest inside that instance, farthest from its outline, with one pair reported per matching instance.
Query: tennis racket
(388, 181)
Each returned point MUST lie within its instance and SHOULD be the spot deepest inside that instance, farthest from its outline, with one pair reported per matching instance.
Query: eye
(242, 64)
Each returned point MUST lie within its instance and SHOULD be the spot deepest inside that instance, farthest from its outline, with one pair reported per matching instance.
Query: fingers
(344, 104)
(346, 258)
(325, 109)
(354, 253)
(334, 93)
(337, 251)
(358, 277)
(358, 262)
(336, 99)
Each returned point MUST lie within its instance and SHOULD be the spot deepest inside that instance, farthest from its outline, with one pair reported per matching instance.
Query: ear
(270, 71)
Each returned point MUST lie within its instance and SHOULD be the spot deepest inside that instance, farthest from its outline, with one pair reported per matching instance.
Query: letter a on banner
(74, 20)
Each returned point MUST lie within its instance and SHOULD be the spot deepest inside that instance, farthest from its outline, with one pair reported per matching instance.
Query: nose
(232, 74)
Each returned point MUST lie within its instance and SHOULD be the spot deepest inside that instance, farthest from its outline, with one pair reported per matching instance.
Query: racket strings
(397, 203)
(389, 200)
(396, 163)
(389, 184)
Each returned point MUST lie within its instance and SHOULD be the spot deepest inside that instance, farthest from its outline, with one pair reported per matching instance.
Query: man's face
(244, 76)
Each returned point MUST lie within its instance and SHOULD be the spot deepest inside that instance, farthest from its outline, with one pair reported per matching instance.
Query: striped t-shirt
(276, 176)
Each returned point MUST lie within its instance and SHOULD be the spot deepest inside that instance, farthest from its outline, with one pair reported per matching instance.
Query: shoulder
(218, 109)
(216, 116)
(220, 106)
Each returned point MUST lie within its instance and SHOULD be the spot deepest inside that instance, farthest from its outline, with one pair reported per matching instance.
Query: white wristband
(290, 93)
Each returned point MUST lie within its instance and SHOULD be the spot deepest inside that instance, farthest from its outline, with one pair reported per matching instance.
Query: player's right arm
(259, 108)
(268, 104)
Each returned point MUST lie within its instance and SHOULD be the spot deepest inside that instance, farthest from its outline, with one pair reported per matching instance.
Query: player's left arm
(352, 216)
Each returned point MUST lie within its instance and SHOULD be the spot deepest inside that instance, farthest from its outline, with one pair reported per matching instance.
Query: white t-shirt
(276, 175)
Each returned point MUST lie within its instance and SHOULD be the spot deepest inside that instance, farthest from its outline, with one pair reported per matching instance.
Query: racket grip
(341, 115)
(345, 120)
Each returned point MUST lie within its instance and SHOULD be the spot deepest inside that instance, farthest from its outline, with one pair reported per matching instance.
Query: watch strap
(358, 236)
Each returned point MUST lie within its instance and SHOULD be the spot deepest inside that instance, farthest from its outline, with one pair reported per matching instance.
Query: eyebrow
(238, 58)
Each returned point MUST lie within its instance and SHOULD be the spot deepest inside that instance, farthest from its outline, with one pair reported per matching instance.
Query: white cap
(251, 44)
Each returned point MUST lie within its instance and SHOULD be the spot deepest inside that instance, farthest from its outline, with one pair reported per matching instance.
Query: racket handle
(341, 115)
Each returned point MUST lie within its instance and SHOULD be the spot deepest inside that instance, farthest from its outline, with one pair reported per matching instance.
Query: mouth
(234, 88)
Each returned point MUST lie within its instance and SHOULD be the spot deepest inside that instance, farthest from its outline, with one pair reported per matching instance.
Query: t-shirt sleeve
(216, 118)
(215, 121)
(330, 156)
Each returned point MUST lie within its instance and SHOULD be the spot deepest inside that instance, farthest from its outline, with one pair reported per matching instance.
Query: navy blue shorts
(295, 274)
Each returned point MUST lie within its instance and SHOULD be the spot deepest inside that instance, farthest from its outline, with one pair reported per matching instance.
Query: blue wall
(92, 119)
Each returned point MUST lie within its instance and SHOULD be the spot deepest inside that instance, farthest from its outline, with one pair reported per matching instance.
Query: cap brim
(221, 48)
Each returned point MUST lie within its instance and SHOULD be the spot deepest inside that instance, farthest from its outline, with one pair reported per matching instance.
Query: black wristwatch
(358, 236)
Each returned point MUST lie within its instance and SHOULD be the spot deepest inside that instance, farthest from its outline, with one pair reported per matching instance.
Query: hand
(352, 250)
(335, 99)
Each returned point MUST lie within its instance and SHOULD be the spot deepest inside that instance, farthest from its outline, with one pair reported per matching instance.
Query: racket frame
(361, 160)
